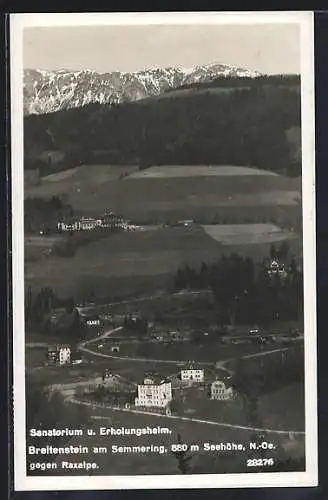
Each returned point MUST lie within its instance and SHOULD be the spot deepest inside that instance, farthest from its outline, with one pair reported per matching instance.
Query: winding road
(69, 389)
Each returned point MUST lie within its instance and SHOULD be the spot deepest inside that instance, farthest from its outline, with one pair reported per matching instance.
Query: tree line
(244, 292)
(243, 127)
(39, 308)
(42, 214)
(137, 325)
(289, 81)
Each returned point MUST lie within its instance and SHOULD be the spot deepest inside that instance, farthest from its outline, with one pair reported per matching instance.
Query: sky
(268, 48)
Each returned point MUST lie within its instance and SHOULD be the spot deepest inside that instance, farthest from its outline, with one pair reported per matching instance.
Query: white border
(309, 478)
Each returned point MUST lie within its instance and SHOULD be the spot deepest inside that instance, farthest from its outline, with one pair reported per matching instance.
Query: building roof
(156, 378)
(192, 366)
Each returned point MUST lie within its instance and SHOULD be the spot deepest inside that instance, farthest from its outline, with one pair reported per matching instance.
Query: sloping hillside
(166, 194)
(247, 126)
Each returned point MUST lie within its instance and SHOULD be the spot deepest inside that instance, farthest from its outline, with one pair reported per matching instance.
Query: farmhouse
(154, 392)
(192, 373)
(60, 355)
(220, 391)
(115, 348)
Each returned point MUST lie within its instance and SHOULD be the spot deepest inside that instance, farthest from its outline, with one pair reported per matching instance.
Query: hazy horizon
(267, 48)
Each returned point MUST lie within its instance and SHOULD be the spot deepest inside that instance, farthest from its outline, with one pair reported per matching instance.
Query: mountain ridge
(47, 91)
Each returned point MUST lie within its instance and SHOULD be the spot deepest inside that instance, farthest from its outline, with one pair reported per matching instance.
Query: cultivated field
(36, 247)
(162, 193)
(128, 263)
(167, 171)
(247, 234)
(130, 256)
(77, 179)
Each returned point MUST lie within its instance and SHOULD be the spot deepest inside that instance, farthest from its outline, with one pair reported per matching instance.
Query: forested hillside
(245, 126)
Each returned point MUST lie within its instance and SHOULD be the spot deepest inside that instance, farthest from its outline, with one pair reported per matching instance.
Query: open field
(272, 408)
(165, 192)
(127, 255)
(41, 241)
(74, 179)
(247, 234)
(132, 262)
(132, 371)
(168, 171)
(36, 247)
(271, 412)
(184, 351)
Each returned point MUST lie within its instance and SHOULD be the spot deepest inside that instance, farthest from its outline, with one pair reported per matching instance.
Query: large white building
(59, 355)
(154, 392)
(220, 391)
(192, 374)
(64, 355)
(107, 221)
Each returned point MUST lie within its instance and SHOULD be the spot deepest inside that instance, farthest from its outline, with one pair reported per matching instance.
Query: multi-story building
(82, 224)
(154, 392)
(89, 223)
(52, 355)
(107, 221)
(68, 225)
(192, 374)
(220, 391)
(60, 355)
(64, 355)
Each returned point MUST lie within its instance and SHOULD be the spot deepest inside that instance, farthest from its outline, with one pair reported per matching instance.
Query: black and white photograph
(163, 246)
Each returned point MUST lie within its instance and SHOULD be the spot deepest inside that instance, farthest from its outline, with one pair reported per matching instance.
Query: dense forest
(43, 214)
(287, 81)
(244, 293)
(248, 126)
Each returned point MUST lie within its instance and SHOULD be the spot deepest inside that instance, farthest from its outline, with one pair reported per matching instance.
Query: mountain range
(50, 91)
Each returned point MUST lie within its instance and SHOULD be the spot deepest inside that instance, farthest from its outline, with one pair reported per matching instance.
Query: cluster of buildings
(59, 355)
(276, 268)
(109, 221)
(156, 392)
(62, 355)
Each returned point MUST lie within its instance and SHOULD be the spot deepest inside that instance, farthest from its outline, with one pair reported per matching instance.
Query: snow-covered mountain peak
(47, 91)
